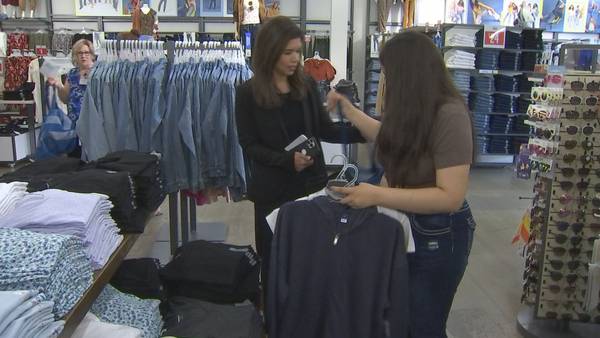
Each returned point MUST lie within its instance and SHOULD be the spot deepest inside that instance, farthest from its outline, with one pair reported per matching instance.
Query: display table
(101, 278)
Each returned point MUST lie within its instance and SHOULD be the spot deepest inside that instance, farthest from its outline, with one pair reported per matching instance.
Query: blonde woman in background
(71, 92)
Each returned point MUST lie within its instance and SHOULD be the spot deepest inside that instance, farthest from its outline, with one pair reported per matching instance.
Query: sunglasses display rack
(562, 250)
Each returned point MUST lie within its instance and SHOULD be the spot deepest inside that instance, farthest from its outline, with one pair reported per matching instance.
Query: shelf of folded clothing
(101, 278)
(462, 25)
(503, 134)
(498, 113)
(17, 102)
(491, 48)
(493, 92)
(496, 71)
(494, 159)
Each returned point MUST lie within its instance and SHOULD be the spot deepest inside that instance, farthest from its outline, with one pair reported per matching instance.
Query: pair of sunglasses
(568, 185)
(585, 159)
(578, 100)
(591, 86)
(546, 95)
(573, 130)
(544, 133)
(582, 172)
(570, 278)
(573, 252)
(563, 226)
(564, 213)
(571, 265)
(566, 199)
(587, 115)
(585, 144)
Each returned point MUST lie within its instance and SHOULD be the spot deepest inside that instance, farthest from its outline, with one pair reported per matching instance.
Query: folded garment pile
(54, 264)
(27, 313)
(11, 194)
(115, 307)
(459, 59)
(86, 216)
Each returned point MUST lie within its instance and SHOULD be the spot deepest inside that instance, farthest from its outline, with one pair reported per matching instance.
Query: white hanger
(145, 9)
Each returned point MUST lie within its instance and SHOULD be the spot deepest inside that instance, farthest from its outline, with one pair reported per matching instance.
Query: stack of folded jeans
(27, 314)
(513, 40)
(461, 80)
(519, 126)
(460, 39)
(482, 144)
(488, 59)
(54, 264)
(459, 59)
(529, 60)
(374, 66)
(481, 103)
(483, 83)
(532, 39)
(523, 105)
(506, 103)
(501, 145)
(87, 217)
(500, 124)
(115, 307)
(10, 195)
(510, 61)
(505, 83)
(524, 84)
(481, 123)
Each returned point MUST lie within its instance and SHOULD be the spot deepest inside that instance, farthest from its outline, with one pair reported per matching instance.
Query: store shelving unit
(489, 158)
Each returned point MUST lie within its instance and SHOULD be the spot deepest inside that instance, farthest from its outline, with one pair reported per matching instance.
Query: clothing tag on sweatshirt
(433, 245)
(344, 219)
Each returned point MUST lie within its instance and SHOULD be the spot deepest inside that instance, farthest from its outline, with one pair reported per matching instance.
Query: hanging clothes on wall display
(62, 41)
(190, 120)
(317, 41)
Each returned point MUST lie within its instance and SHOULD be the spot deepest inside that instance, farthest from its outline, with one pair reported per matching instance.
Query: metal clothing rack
(182, 209)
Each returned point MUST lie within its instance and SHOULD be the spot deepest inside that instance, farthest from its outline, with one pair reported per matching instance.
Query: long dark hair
(417, 85)
(271, 42)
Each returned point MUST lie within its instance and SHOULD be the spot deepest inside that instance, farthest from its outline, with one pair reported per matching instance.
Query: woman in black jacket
(272, 109)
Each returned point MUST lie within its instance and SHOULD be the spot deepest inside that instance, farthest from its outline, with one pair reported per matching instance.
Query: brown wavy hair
(271, 42)
(417, 85)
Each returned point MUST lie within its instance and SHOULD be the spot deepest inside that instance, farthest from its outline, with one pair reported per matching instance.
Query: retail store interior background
(488, 301)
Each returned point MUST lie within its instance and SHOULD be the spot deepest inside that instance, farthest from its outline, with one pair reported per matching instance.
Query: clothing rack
(182, 209)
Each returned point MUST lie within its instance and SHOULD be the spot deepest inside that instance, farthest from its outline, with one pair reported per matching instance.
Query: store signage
(41, 50)
(494, 36)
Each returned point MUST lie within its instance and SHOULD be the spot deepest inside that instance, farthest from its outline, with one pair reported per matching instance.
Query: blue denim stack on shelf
(481, 123)
(481, 103)
(519, 126)
(523, 105)
(533, 39)
(501, 145)
(524, 84)
(506, 103)
(529, 60)
(487, 59)
(461, 80)
(482, 144)
(500, 124)
(505, 83)
(483, 83)
(513, 40)
(509, 61)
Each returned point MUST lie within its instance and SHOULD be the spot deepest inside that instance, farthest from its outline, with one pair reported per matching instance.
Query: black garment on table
(144, 169)
(293, 117)
(139, 277)
(215, 272)
(263, 137)
(80, 36)
(356, 286)
(193, 318)
(55, 165)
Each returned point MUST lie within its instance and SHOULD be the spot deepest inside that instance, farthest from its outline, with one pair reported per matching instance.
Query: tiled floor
(488, 299)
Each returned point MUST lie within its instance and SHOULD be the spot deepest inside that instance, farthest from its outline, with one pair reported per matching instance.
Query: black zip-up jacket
(337, 272)
(263, 138)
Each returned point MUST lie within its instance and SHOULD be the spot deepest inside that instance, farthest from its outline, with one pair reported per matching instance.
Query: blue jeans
(443, 243)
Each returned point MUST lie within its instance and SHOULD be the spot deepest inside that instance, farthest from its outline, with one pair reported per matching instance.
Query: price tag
(494, 36)
(41, 50)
